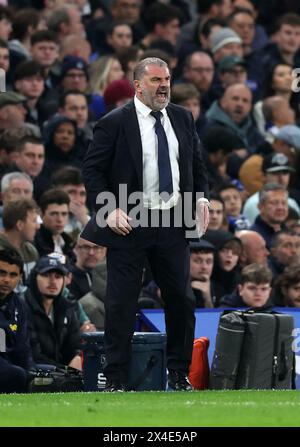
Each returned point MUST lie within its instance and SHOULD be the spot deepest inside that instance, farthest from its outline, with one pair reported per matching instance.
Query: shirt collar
(145, 110)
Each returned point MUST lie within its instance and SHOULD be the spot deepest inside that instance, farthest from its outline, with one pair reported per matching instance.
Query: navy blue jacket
(13, 320)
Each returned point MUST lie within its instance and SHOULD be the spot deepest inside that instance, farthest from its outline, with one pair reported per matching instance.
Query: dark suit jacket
(115, 157)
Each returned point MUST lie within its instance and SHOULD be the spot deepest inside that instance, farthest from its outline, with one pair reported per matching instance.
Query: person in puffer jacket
(53, 323)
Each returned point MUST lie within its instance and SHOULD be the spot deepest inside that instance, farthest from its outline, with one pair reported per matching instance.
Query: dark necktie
(164, 165)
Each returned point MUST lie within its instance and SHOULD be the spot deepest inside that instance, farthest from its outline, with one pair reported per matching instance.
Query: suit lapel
(178, 127)
(133, 136)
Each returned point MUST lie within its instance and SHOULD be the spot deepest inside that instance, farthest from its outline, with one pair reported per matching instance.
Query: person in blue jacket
(15, 353)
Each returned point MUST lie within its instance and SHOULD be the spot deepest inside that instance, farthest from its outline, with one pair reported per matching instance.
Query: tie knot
(157, 115)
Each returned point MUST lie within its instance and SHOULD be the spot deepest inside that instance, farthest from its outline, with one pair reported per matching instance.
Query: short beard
(50, 297)
(150, 101)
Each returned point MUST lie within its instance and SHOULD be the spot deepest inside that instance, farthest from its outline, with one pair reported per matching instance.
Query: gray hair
(8, 178)
(140, 68)
(269, 187)
(57, 18)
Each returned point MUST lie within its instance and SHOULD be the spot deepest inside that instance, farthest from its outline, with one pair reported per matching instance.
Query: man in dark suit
(150, 149)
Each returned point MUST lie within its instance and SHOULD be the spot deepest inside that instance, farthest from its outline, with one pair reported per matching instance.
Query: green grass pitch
(152, 409)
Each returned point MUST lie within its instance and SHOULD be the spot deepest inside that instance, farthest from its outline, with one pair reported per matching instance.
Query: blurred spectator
(165, 46)
(29, 80)
(226, 269)
(219, 143)
(233, 111)
(54, 205)
(199, 70)
(254, 248)
(271, 114)
(77, 46)
(232, 70)
(128, 10)
(273, 207)
(9, 140)
(253, 290)
(30, 159)
(217, 217)
(201, 267)
(283, 49)
(70, 180)
(44, 49)
(128, 60)
(118, 38)
(207, 10)
(26, 21)
(260, 36)
(60, 137)
(12, 110)
(276, 169)
(4, 56)
(20, 221)
(286, 290)
(118, 93)
(16, 359)
(226, 42)
(205, 31)
(285, 251)
(233, 206)
(93, 301)
(65, 21)
(292, 221)
(243, 23)
(285, 141)
(103, 71)
(74, 105)
(187, 95)
(87, 257)
(5, 22)
(16, 185)
(162, 21)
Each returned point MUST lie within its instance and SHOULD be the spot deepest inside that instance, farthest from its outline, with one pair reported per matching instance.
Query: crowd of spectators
(68, 63)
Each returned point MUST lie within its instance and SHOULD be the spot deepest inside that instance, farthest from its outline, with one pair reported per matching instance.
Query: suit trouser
(13, 378)
(168, 255)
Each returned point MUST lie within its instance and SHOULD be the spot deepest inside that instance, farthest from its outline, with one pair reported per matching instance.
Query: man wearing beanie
(118, 93)
(226, 42)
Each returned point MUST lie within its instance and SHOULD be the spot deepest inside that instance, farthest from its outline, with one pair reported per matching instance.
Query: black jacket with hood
(226, 280)
(52, 343)
(55, 157)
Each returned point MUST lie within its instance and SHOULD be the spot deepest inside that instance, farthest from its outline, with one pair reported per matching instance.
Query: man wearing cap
(74, 77)
(232, 70)
(276, 169)
(53, 324)
(285, 140)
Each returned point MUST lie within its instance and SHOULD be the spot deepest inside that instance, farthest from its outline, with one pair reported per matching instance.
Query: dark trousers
(168, 255)
(13, 379)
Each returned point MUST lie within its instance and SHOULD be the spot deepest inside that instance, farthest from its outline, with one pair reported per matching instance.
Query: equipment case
(147, 370)
(253, 351)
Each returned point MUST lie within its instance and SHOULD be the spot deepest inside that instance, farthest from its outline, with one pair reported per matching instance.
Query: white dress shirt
(151, 198)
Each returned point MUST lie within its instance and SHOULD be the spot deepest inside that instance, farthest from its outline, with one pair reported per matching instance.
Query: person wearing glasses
(88, 255)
